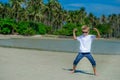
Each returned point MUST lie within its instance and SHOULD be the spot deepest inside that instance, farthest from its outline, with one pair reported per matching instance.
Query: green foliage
(52, 14)
(25, 28)
(48, 29)
(68, 29)
(5, 29)
(42, 29)
(62, 32)
(7, 26)
(31, 28)
(104, 28)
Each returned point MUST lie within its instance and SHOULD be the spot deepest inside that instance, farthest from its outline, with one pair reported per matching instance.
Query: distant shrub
(42, 28)
(67, 30)
(24, 28)
(7, 26)
(6, 29)
(32, 28)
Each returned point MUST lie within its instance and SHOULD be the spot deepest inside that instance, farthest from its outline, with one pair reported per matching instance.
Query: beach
(46, 36)
(27, 64)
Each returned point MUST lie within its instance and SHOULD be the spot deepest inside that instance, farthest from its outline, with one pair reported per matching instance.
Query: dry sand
(25, 64)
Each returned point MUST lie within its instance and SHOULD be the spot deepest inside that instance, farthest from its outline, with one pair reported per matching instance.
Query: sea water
(67, 45)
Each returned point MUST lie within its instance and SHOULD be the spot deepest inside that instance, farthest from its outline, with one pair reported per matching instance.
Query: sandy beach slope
(24, 64)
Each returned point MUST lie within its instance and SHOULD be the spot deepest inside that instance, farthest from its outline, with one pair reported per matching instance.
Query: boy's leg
(94, 69)
(92, 61)
(74, 68)
(77, 59)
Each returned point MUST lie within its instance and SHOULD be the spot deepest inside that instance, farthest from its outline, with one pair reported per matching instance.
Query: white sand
(33, 37)
(21, 64)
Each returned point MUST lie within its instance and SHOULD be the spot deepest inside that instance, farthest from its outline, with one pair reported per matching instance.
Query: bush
(104, 29)
(24, 28)
(29, 31)
(31, 28)
(67, 29)
(7, 26)
(61, 32)
(6, 29)
(42, 29)
(48, 29)
(34, 26)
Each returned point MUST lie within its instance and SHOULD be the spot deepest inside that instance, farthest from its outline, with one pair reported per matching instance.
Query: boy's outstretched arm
(98, 33)
(74, 35)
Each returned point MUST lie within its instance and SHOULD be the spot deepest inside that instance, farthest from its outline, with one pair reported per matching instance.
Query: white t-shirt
(85, 42)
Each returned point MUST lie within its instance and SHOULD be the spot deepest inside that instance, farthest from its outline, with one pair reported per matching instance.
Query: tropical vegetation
(30, 17)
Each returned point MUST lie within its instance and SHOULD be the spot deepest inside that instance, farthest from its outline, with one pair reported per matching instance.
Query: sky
(97, 7)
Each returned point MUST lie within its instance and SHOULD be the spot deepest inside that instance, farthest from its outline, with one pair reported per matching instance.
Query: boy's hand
(95, 29)
(74, 35)
(74, 30)
(98, 33)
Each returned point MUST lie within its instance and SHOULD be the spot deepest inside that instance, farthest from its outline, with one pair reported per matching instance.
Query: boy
(85, 47)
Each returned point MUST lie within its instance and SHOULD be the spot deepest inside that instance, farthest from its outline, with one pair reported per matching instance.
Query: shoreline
(47, 36)
(58, 44)
(35, 37)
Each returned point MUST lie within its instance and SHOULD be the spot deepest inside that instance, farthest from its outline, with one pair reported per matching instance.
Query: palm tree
(113, 22)
(91, 20)
(54, 11)
(82, 15)
(103, 19)
(34, 10)
(5, 10)
(110, 19)
(1, 10)
(118, 25)
(52, 14)
(77, 16)
(16, 6)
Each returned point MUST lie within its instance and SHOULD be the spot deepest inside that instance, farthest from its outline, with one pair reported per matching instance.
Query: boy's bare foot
(95, 74)
(73, 71)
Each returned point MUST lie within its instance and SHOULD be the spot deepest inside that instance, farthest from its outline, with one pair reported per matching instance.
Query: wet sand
(26, 64)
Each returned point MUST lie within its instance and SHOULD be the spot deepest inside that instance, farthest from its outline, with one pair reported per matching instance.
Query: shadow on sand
(79, 71)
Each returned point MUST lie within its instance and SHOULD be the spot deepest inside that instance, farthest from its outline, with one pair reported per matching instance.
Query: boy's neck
(85, 34)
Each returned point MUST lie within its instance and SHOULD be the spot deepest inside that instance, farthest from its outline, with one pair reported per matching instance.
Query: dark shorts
(87, 55)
